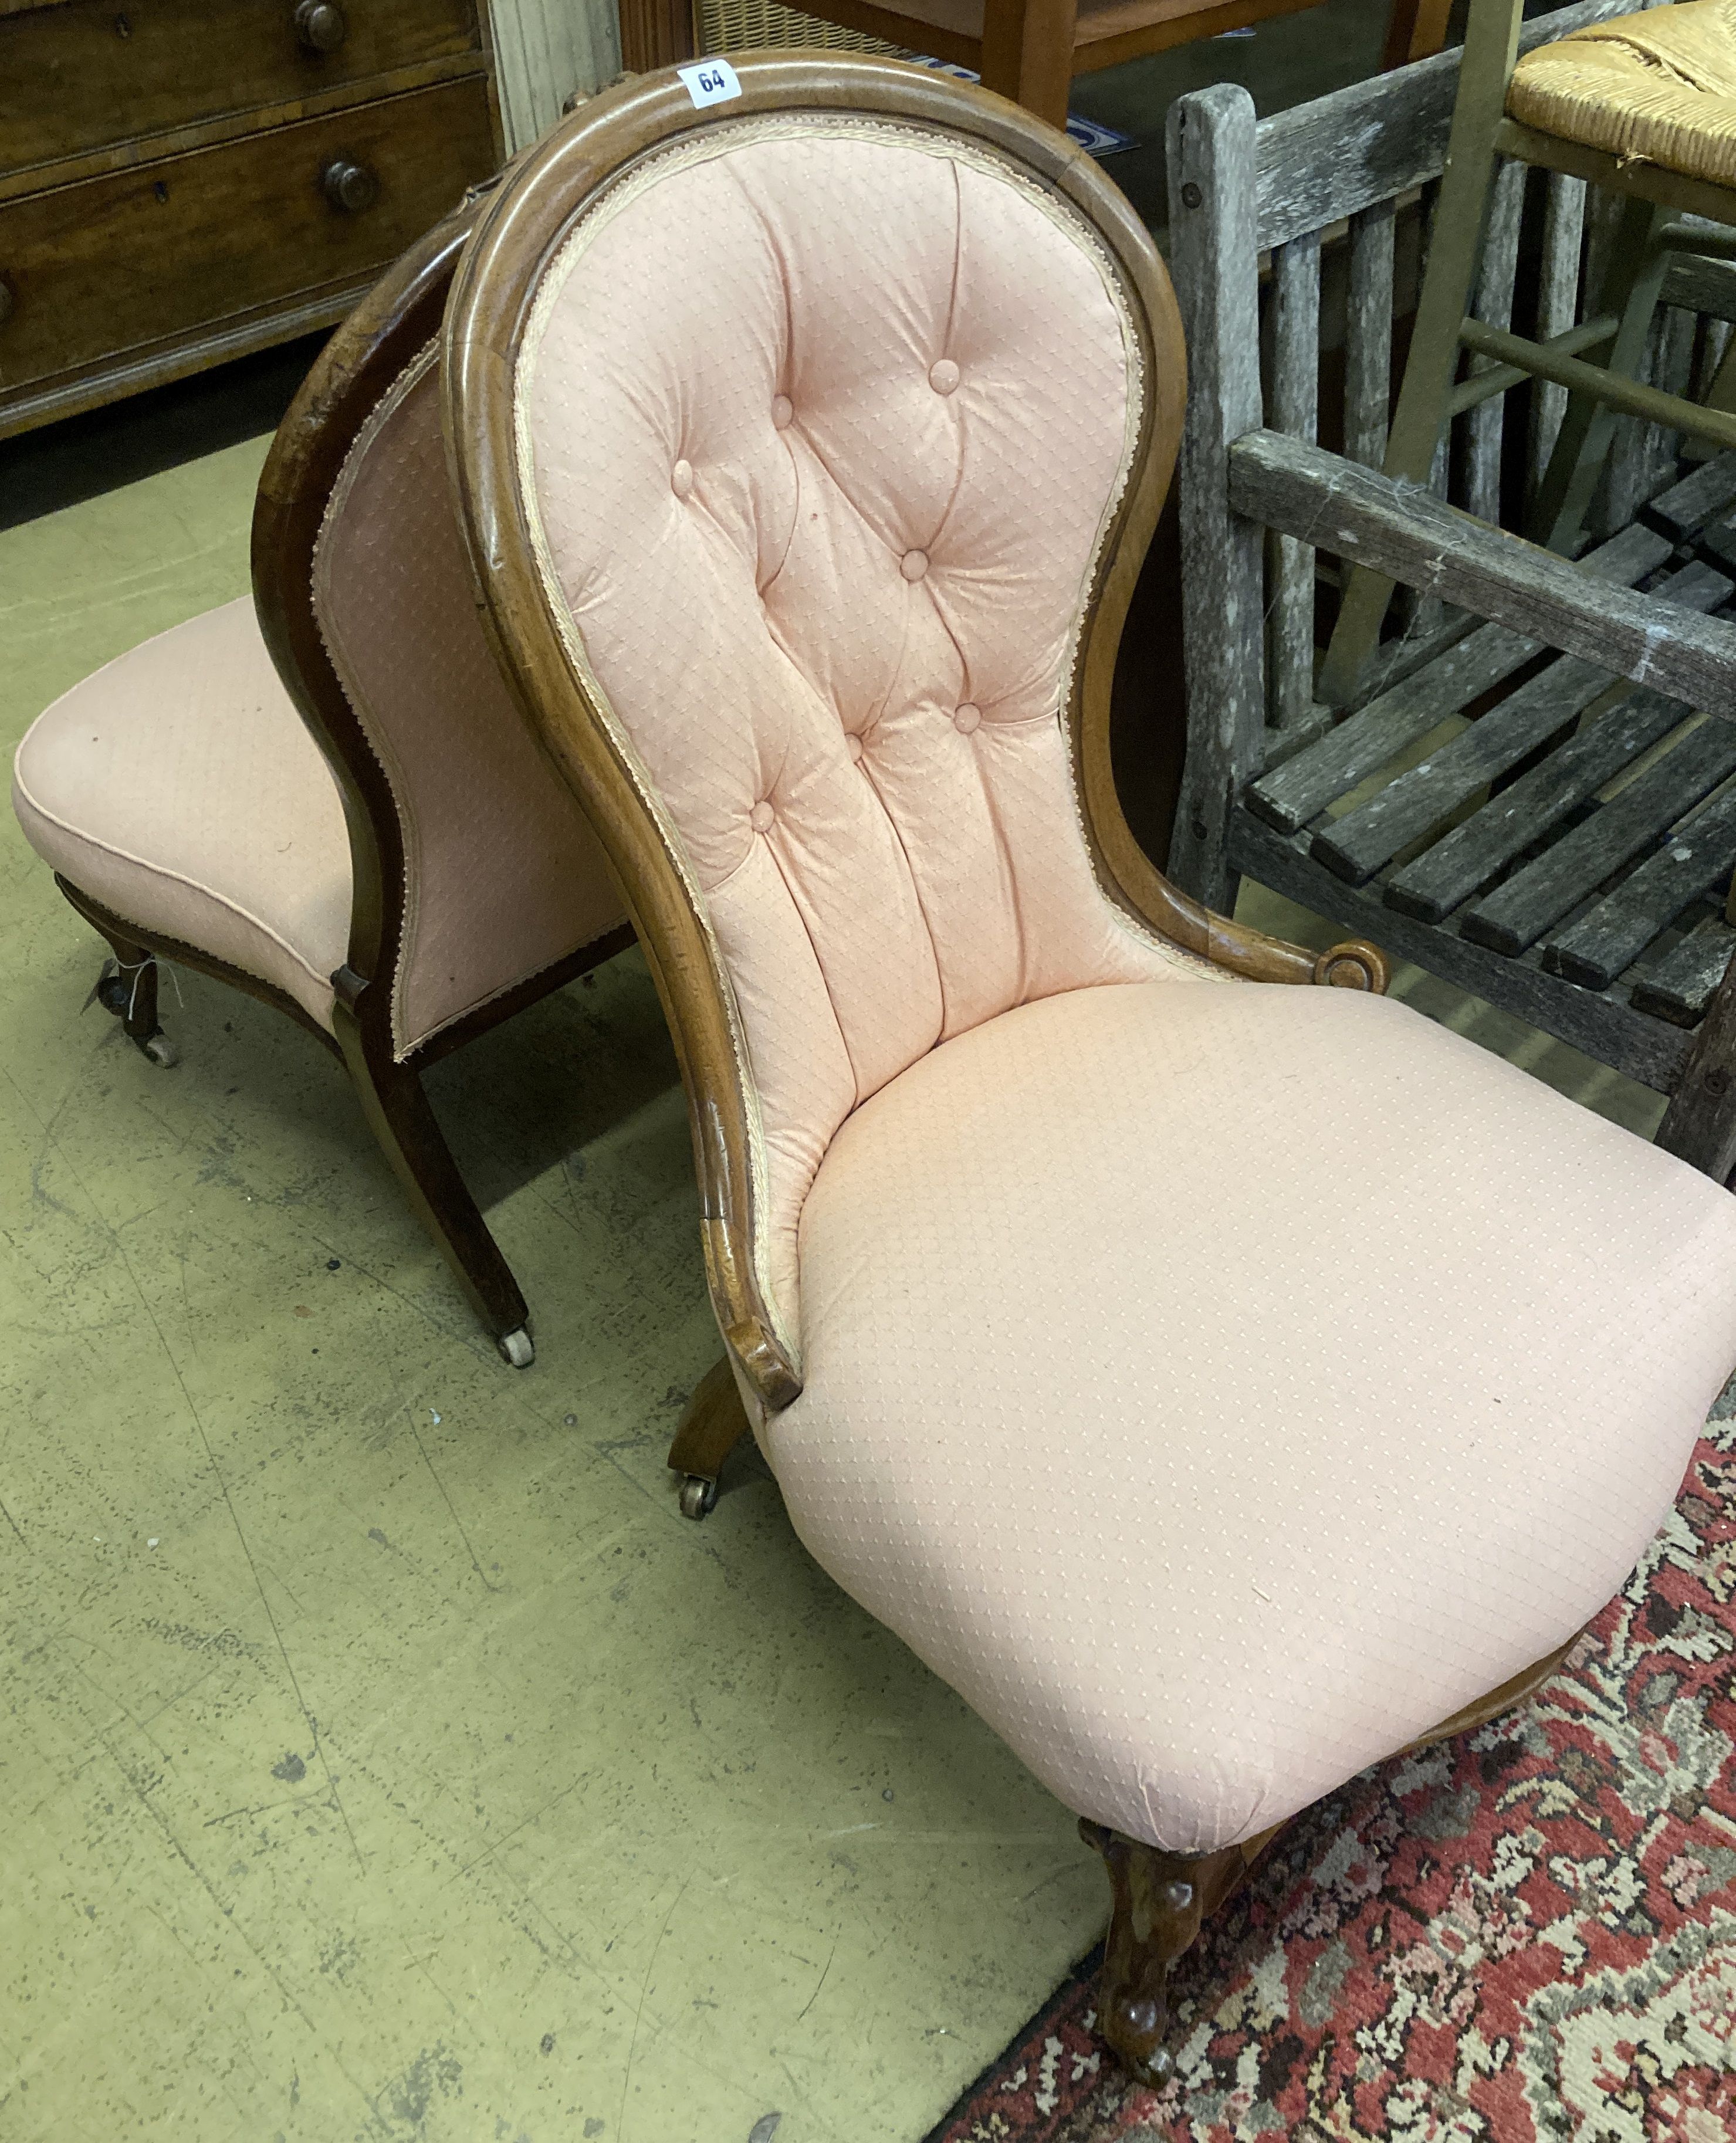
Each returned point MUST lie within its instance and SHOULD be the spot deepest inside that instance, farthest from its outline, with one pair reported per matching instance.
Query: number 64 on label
(710, 81)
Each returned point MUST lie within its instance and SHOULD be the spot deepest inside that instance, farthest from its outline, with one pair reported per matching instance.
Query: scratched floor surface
(384, 1757)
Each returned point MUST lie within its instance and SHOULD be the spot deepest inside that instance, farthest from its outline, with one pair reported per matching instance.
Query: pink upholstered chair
(1222, 1386)
(332, 803)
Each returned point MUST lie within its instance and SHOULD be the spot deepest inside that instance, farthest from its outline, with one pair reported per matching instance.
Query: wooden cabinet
(181, 180)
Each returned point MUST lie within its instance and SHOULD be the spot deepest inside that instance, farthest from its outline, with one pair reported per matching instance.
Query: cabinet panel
(114, 265)
(83, 76)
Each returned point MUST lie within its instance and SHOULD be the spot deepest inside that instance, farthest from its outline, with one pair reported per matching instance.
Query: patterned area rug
(1525, 1936)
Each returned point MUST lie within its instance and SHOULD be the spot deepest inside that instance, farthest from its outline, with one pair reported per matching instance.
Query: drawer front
(79, 78)
(115, 263)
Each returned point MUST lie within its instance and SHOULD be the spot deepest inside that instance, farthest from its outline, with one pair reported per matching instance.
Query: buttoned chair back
(819, 420)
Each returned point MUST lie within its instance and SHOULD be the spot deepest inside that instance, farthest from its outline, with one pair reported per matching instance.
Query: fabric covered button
(783, 410)
(761, 816)
(965, 718)
(913, 565)
(944, 376)
(853, 745)
(680, 478)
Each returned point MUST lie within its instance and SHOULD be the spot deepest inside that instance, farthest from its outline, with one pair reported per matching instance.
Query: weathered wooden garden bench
(1533, 794)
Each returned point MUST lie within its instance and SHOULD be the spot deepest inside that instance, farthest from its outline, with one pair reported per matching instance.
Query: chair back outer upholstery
(475, 869)
(503, 876)
(808, 446)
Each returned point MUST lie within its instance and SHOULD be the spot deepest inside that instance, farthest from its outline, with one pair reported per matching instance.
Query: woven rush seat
(1657, 88)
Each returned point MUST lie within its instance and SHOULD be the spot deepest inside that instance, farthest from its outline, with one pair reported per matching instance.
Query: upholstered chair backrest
(502, 876)
(822, 421)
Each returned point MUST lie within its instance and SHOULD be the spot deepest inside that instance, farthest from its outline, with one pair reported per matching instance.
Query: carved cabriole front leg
(1159, 1901)
(1158, 1898)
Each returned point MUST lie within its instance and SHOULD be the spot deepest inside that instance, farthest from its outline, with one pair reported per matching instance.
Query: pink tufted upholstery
(824, 510)
(503, 874)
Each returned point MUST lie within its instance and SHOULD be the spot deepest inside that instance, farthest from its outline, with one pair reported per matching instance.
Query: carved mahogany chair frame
(1158, 1898)
(397, 319)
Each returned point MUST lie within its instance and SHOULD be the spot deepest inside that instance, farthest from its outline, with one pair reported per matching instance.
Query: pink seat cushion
(1220, 1388)
(178, 785)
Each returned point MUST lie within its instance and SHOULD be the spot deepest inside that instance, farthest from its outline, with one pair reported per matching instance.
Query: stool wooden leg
(1629, 291)
(1454, 254)
(1415, 30)
(1027, 53)
(712, 1423)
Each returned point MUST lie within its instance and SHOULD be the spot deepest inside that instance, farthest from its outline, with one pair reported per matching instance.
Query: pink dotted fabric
(503, 874)
(825, 428)
(178, 785)
(1221, 1387)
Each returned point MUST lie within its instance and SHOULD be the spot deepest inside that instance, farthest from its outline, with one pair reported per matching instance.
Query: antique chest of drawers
(183, 181)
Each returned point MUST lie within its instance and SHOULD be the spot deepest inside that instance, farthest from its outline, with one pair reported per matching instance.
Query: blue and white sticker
(710, 81)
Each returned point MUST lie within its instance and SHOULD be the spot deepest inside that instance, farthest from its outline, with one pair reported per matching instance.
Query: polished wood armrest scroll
(744, 1319)
(1165, 908)
(1354, 965)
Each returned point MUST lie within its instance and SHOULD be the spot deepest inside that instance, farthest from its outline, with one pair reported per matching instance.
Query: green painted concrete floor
(386, 1757)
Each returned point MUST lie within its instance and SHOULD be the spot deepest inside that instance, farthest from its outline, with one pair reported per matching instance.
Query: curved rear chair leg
(1160, 1899)
(712, 1423)
(127, 988)
(401, 1118)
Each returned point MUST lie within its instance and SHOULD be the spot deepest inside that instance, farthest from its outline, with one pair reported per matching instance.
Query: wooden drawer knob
(349, 185)
(320, 25)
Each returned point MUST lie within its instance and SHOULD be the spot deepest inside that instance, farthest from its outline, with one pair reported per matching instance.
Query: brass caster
(516, 1348)
(1155, 2071)
(698, 1496)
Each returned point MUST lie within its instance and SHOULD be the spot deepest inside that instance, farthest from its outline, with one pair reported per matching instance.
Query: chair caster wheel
(699, 1496)
(160, 1049)
(112, 991)
(516, 1348)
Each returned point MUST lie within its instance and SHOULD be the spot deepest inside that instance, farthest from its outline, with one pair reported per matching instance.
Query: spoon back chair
(1221, 1386)
(323, 795)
